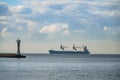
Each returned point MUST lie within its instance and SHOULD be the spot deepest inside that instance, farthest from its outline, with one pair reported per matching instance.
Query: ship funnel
(85, 49)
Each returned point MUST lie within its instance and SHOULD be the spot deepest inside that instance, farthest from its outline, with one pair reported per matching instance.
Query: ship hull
(67, 52)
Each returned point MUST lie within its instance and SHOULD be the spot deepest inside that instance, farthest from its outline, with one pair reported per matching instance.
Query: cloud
(79, 31)
(31, 25)
(54, 28)
(112, 32)
(33, 17)
(69, 7)
(105, 9)
(21, 9)
(4, 32)
(51, 6)
(105, 28)
(66, 32)
(106, 13)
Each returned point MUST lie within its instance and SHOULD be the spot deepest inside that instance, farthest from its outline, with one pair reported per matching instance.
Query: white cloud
(66, 32)
(105, 28)
(69, 6)
(38, 6)
(105, 13)
(45, 6)
(79, 31)
(5, 19)
(21, 9)
(16, 8)
(112, 32)
(29, 25)
(4, 32)
(54, 28)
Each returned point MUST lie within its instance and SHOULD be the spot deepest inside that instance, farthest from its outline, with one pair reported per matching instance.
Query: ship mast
(63, 47)
(75, 48)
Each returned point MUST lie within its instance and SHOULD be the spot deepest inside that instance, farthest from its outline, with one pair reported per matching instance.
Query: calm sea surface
(61, 67)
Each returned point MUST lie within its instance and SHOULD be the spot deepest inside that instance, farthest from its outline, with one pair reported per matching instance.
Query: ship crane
(75, 48)
(63, 47)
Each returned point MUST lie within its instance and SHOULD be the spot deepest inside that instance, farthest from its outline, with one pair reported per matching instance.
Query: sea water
(61, 67)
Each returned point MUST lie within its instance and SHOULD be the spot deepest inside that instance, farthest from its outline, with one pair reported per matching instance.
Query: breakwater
(11, 55)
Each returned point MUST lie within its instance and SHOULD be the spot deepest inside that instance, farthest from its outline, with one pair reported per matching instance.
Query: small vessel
(74, 51)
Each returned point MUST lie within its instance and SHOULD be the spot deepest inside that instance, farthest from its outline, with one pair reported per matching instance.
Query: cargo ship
(74, 51)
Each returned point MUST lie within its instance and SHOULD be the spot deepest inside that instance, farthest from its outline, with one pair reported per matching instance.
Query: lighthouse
(18, 47)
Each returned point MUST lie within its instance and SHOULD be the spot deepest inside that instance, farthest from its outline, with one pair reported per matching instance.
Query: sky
(45, 24)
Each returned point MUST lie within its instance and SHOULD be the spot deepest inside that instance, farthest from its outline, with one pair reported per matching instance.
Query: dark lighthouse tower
(18, 55)
(18, 47)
